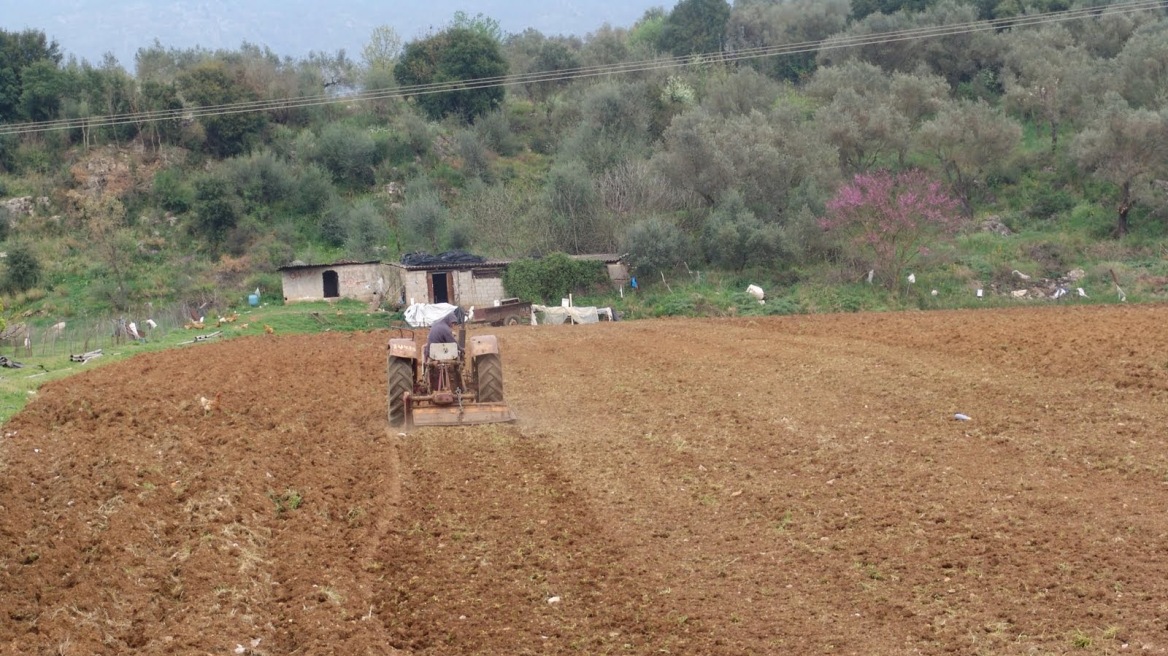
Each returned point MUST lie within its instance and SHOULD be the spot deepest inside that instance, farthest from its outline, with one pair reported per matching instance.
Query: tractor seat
(444, 351)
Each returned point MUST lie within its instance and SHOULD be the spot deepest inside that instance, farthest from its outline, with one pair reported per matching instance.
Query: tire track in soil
(848, 467)
(499, 553)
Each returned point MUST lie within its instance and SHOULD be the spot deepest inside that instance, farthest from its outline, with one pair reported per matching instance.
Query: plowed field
(794, 485)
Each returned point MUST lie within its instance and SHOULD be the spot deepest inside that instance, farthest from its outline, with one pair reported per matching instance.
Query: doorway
(332, 285)
(440, 287)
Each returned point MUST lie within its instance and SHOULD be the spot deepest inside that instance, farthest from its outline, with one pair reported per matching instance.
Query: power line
(831, 43)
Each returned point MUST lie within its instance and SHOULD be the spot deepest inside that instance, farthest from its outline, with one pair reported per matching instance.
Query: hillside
(1023, 155)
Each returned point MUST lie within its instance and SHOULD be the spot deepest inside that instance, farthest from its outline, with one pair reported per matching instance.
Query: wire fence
(80, 335)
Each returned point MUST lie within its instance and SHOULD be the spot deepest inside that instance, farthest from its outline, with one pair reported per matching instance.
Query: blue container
(253, 299)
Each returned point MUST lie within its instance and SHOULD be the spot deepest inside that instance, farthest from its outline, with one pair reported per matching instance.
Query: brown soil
(770, 486)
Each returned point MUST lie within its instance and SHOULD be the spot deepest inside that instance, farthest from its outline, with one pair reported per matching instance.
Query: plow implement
(419, 413)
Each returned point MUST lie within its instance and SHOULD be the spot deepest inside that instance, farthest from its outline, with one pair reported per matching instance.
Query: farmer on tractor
(441, 332)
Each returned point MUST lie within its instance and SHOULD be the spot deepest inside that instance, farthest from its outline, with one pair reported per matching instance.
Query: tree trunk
(1121, 225)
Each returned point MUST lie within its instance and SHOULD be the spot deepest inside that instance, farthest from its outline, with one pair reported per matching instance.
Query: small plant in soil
(289, 500)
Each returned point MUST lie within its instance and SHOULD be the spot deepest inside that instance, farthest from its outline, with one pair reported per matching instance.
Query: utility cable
(564, 75)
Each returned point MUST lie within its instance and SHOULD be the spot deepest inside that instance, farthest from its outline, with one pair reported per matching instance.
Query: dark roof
(294, 267)
(456, 266)
(607, 258)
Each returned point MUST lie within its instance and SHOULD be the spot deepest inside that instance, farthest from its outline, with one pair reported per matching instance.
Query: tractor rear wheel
(401, 380)
(511, 320)
(489, 378)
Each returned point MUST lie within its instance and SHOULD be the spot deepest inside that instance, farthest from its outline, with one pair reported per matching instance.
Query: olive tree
(869, 113)
(1127, 147)
(655, 245)
(735, 92)
(734, 238)
(576, 210)
(1142, 66)
(773, 160)
(366, 230)
(613, 126)
(757, 25)
(958, 57)
(970, 140)
(1045, 76)
(423, 218)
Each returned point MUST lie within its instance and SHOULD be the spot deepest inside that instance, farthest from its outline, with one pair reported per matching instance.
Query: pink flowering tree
(890, 220)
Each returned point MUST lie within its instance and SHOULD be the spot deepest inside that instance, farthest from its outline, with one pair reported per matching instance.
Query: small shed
(614, 265)
(363, 281)
(455, 278)
(466, 280)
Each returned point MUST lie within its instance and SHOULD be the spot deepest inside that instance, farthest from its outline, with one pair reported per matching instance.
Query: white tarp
(422, 315)
(558, 315)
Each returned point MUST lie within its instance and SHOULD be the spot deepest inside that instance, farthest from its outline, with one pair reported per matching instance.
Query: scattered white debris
(1082, 293)
(240, 649)
(961, 417)
(935, 292)
(757, 292)
(553, 600)
(1021, 275)
(912, 278)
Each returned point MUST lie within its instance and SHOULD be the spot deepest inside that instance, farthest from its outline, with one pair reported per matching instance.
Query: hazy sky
(90, 28)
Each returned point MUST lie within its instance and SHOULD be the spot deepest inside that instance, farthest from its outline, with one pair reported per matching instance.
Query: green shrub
(476, 159)
(655, 245)
(551, 278)
(423, 220)
(1049, 203)
(494, 129)
(735, 238)
(675, 305)
(23, 270)
(261, 180)
(314, 191)
(349, 153)
(366, 230)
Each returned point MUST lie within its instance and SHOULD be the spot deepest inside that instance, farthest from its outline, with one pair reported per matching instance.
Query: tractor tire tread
(400, 377)
(489, 378)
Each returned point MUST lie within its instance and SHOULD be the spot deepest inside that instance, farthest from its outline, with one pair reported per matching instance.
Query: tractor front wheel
(401, 380)
(489, 378)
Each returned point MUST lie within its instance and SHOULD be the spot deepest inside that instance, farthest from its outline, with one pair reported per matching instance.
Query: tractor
(453, 384)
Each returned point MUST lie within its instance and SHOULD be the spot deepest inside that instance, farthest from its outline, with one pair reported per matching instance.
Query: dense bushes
(551, 278)
(23, 269)
(655, 245)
